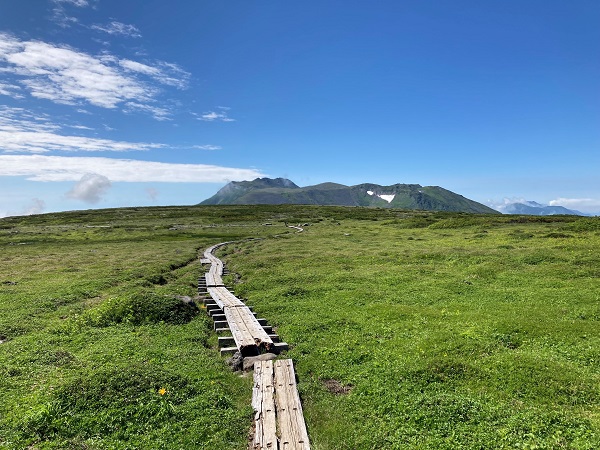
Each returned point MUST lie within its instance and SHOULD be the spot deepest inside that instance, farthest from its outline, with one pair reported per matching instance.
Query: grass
(407, 329)
(449, 331)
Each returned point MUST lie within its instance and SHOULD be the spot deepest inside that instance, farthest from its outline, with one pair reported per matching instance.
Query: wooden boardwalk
(278, 419)
(249, 335)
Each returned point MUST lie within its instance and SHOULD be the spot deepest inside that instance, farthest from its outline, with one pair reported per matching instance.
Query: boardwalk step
(221, 324)
(226, 341)
(280, 347)
(228, 351)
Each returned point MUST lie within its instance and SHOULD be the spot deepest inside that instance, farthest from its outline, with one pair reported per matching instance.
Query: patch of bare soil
(337, 388)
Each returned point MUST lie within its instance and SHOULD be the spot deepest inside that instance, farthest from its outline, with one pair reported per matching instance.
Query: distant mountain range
(536, 209)
(404, 196)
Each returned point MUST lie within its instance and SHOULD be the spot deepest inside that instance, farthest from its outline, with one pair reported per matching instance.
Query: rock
(184, 298)
(236, 361)
(250, 360)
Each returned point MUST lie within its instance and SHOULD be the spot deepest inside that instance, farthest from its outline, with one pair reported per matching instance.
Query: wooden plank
(249, 336)
(263, 392)
(227, 297)
(223, 297)
(290, 420)
(214, 294)
(243, 339)
(254, 327)
(210, 280)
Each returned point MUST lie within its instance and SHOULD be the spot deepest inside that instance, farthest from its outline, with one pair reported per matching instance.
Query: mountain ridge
(402, 196)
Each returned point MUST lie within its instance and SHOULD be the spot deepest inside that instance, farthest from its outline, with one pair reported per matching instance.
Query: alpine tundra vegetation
(408, 329)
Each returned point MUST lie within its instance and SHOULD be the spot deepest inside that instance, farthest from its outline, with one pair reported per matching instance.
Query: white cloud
(219, 116)
(65, 75)
(20, 119)
(11, 90)
(24, 131)
(505, 202)
(61, 168)
(43, 142)
(206, 147)
(118, 28)
(36, 206)
(588, 205)
(60, 15)
(79, 3)
(135, 66)
(90, 188)
(152, 193)
(158, 113)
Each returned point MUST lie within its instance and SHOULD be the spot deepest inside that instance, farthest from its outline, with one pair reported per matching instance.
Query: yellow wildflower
(162, 391)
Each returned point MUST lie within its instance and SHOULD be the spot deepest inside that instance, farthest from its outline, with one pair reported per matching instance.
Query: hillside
(280, 191)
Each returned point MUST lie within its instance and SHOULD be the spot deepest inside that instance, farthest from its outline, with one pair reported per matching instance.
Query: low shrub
(140, 308)
(117, 400)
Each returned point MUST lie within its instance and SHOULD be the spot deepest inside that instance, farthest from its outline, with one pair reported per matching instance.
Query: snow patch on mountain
(387, 197)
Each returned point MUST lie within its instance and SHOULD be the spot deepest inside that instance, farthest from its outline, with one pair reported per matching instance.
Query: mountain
(537, 209)
(404, 196)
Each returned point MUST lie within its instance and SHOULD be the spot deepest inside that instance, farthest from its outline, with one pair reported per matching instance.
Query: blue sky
(107, 103)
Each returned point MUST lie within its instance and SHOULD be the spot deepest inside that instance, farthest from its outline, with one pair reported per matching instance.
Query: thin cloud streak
(78, 3)
(23, 131)
(207, 147)
(43, 142)
(160, 114)
(118, 28)
(60, 15)
(219, 116)
(61, 168)
(11, 90)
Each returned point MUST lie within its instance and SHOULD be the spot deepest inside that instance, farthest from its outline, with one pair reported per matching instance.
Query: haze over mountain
(536, 209)
(404, 196)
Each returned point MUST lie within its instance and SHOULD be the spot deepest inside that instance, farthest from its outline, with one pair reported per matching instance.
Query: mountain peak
(263, 183)
(403, 196)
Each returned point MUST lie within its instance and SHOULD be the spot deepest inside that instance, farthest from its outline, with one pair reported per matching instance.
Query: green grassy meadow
(408, 330)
